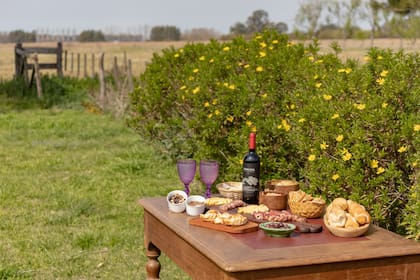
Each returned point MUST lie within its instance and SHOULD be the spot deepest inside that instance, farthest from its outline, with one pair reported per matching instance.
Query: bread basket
(304, 205)
(231, 190)
(346, 232)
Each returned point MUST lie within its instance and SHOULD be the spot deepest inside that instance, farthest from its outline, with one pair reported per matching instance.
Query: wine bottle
(251, 173)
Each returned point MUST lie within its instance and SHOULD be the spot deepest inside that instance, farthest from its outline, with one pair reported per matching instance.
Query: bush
(339, 128)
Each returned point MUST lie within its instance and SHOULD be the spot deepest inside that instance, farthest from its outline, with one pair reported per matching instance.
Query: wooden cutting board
(248, 227)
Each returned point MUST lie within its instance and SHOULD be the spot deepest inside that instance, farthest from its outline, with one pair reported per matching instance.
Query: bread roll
(351, 222)
(340, 202)
(359, 212)
(337, 217)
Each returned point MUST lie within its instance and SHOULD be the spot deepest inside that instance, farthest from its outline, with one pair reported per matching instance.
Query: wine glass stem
(208, 191)
(187, 189)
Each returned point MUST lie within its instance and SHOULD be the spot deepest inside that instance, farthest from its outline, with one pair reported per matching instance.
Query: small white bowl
(176, 201)
(195, 205)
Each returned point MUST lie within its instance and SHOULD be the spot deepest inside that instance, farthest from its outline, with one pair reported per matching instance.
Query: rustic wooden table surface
(210, 254)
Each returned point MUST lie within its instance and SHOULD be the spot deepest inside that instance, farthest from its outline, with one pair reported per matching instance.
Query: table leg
(153, 264)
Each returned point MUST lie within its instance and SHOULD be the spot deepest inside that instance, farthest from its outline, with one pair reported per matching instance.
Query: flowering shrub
(340, 128)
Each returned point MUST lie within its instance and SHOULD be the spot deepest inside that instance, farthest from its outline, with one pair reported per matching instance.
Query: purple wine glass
(186, 172)
(209, 170)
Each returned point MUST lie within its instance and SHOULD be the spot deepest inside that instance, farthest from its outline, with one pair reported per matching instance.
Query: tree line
(315, 19)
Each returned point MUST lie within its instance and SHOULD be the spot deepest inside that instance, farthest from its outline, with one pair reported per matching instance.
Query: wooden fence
(22, 66)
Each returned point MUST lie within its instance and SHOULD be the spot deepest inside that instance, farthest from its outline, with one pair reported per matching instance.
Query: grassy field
(141, 52)
(70, 181)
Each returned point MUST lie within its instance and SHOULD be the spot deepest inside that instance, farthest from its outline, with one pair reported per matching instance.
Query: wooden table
(210, 254)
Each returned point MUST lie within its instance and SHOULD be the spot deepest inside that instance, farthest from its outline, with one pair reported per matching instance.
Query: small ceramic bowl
(195, 205)
(176, 201)
(277, 229)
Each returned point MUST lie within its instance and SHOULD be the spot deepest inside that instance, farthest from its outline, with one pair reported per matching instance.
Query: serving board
(301, 227)
(248, 227)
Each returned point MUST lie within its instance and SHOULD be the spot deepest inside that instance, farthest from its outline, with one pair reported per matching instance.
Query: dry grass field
(141, 52)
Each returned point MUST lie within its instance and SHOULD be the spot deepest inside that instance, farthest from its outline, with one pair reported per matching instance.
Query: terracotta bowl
(283, 186)
(273, 200)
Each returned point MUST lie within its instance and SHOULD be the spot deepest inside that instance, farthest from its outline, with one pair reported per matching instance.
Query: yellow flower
(318, 85)
(254, 129)
(232, 87)
(335, 116)
(359, 106)
(345, 70)
(380, 170)
(289, 44)
(416, 127)
(176, 55)
(285, 125)
(366, 58)
(311, 58)
(339, 138)
(380, 57)
(214, 102)
(384, 73)
(275, 42)
(323, 146)
(316, 77)
(248, 123)
(210, 116)
(402, 149)
(335, 177)
(259, 69)
(262, 54)
(292, 106)
(202, 58)
(249, 113)
(207, 104)
(229, 118)
(302, 120)
(380, 81)
(374, 163)
(347, 156)
(264, 95)
(327, 97)
(246, 66)
(211, 60)
(195, 70)
(190, 78)
(258, 37)
(384, 105)
(279, 126)
(196, 90)
(183, 87)
(319, 61)
(263, 45)
(226, 49)
(217, 112)
(311, 157)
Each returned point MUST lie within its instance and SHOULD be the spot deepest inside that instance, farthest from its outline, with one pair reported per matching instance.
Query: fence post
(65, 61)
(78, 65)
(71, 62)
(60, 59)
(102, 79)
(37, 76)
(18, 60)
(85, 65)
(93, 65)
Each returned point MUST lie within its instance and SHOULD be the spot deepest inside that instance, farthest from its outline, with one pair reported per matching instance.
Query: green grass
(69, 185)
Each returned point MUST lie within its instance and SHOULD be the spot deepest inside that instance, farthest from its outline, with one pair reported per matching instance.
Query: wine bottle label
(250, 182)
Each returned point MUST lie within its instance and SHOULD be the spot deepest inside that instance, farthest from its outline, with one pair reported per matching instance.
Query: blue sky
(133, 15)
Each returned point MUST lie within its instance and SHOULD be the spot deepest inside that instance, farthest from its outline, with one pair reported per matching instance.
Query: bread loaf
(359, 212)
(351, 222)
(340, 202)
(337, 217)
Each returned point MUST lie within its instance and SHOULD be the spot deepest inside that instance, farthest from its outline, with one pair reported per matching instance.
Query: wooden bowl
(346, 232)
(283, 186)
(273, 200)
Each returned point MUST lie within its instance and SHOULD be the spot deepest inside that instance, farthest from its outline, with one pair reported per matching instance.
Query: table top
(254, 250)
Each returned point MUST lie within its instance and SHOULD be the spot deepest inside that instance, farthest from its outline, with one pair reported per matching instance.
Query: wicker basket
(305, 208)
(231, 190)
(346, 232)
